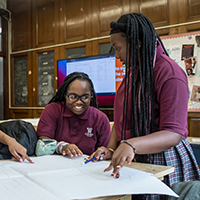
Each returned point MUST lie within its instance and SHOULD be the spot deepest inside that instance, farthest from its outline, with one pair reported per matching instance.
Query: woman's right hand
(107, 154)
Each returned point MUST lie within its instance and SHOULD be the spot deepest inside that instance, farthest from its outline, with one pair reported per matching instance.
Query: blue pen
(91, 159)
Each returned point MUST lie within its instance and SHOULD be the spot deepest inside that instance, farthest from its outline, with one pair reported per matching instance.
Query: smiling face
(118, 42)
(80, 88)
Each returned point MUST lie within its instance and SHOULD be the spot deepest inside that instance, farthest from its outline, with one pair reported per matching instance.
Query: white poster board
(177, 47)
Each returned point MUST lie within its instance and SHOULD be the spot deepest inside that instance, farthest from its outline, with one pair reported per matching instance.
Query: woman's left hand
(123, 154)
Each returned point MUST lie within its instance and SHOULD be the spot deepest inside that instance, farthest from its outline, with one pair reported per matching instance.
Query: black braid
(60, 95)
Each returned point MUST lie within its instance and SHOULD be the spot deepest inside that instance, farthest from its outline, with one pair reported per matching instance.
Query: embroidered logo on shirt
(89, 133)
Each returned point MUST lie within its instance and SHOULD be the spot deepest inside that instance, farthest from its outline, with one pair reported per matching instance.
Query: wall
(59, 25)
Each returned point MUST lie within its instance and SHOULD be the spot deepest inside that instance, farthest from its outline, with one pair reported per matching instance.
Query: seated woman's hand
(71, 150)
(123, 154)
(18, 151)
(105, 152)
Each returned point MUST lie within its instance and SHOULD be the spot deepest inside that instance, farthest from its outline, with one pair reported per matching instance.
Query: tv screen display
(105, 71)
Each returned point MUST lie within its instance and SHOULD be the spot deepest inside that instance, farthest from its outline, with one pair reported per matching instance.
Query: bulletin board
(185, 50)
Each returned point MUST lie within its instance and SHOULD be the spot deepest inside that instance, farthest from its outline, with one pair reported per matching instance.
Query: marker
(91, 160)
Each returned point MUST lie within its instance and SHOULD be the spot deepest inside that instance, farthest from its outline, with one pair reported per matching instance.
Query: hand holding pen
(102, 150)
(102, 153)
(92, 159)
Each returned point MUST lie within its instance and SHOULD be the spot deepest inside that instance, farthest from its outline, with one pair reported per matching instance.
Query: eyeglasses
(74, 97)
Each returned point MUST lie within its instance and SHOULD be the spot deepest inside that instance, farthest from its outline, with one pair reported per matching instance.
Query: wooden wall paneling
(4, 38)
(182, 15)
(189, 10)
(21, 24)
(37, 113)
(103, 12)
(134, 6)
(4, 54)
(173, 16)
(75, 20)
(45, 22)
(21, 88)
(156, 11)
(96, 43)
(194, 124)
(193, 9)
(20, 114)
(62, 52)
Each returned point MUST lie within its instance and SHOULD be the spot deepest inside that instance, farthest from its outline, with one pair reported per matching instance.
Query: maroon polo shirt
(171, 98)
(88, 131)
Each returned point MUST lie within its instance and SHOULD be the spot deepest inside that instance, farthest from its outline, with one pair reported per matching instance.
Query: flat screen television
(105, 71)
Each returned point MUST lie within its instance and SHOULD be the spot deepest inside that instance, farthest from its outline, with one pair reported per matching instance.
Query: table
(32, 175)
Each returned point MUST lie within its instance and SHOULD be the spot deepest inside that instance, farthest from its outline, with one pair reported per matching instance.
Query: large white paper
(22, 189)
(7, 172)
(47, 164)
(66, 178)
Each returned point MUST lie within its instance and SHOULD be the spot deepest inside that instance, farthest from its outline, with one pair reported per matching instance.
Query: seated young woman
(72, 118)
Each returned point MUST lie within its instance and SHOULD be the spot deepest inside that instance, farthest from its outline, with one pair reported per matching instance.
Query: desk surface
(159, 171)
(194, 140)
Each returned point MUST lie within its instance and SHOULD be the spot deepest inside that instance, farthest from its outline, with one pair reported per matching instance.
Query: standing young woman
(150, 109)
(72, 118)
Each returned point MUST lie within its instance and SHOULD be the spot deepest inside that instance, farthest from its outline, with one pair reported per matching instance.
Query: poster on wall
(184, 49)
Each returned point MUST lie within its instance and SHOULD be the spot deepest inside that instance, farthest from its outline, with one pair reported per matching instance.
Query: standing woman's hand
(107, 154)
(123, 154)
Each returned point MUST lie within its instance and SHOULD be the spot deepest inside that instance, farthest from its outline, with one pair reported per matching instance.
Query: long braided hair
(137, 29)
(62, 90)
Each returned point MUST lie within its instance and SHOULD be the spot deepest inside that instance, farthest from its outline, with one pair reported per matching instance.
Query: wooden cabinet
(105, 11)
(75, 20)
(108, 110)
(45, 26)
(194, 124)
(189, 10)
(21, 24)
(33, 84)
